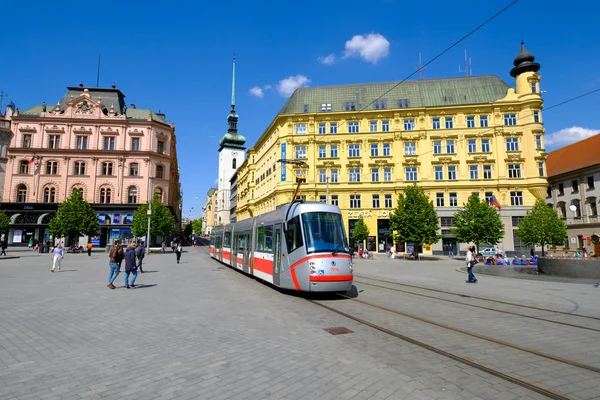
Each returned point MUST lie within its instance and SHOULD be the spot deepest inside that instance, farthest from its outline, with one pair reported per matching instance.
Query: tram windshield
(324, 232)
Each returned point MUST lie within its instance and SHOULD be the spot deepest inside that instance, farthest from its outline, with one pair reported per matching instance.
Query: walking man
(4, 246)
(178, 251)
(130, 267)
(115, 254)
(140, 252)
(450, 251)
(89, 248)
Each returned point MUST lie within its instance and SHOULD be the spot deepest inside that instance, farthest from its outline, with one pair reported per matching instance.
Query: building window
(79, 168)
(300, 151)
(334, 151)
(374, 150)
(387, 149)
(21, 194)
(510, 119)
(322, 176)
(483, 121)
(470, 121)
(300, 129)
(354, 150)
(403, 103)
(450, 146)
(160, 147)
(514, 171)
(487, 172)
(541, 168)
(372, 126)
(322, 129)
(375, 174)
(234, 163)
(133, 169)
(109, 143)
(49, 195)
(435, 123)
(333, 127)
(512, 144)
(437, 147)
(452, 172)
(51, 168)
(354, 174)
(387, 201)
(474, 171)
(516, 198)
(590, 182)
(326, 107)
(548, 192)
(438, 172)
(472, 146)
(449, 123)
(536, 116)
(349, 106)
(485, 145)
(306, 108)
(561, 189)
(334, 176)
(107, 168)
(24, 167)
(387, 174)
(353, 127)
(385, 125)
(593, 207)
(132, 195)
(334, 200)
(538, 142)
(574, 186)
(26, 141)
(410, 148)
(322, 151)
(533, 87)
(439, 199)
(322, 199)
(355, 201)
(411, 174)
(158, 193)
(105, 194)
(135, 144)
(380, 104)
(82, 142)
(375, 201)
(54, 142)
(488, 197)
(453, 200)
(159, 171)
(409, 124)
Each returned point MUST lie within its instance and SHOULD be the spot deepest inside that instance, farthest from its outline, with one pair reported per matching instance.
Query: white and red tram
(300, 246)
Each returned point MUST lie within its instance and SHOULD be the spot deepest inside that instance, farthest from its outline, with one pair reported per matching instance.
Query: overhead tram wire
(434, 58)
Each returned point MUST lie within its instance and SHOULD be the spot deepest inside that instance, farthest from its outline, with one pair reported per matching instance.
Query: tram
(299, 246)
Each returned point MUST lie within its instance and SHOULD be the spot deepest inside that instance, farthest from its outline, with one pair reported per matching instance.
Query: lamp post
(149, 212)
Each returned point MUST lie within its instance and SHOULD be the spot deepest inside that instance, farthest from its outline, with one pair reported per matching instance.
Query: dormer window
(306, 108)
(326, 107)
(350, 106)
(380, 104)
(533, 87)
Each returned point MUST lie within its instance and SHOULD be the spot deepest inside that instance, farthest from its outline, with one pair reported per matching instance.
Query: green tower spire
(233, 88)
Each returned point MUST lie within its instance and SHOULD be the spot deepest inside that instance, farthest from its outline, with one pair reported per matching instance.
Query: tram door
(277, 256)
(246, 252)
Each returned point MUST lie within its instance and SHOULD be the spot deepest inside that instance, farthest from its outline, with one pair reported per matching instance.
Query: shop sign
(366, 214)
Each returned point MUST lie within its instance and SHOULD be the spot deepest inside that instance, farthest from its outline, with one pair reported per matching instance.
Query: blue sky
(176, 57)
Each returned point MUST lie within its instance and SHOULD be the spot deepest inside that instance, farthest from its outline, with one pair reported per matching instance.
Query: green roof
(419, 93)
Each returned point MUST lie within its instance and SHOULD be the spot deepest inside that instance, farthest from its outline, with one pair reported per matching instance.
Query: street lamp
(149, 212)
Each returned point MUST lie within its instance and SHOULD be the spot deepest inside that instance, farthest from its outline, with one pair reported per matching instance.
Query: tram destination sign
(366, 214)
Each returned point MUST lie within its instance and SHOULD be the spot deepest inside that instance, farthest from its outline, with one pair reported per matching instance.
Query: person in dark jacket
(130, 266)
(140, 252)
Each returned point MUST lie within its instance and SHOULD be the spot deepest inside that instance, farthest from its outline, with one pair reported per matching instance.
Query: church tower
(527, 80)
(231, 155)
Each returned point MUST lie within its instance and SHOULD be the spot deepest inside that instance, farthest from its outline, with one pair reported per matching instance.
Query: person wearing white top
(57, 255)
(470, 260)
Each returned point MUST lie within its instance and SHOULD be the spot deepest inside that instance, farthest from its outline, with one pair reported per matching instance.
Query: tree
(74, 218)
(161, 221)
(541, 226)
(478, 222)
(197, 226)
(187, 231)
(360, 232)
(415, 220)
(4, 222)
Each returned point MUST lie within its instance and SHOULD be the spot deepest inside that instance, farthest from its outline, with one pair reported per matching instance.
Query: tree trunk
(542, 249)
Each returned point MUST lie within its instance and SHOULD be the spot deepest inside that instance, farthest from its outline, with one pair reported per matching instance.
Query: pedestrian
(450, 251)
(164, 247)
(178, 251)
(173, 245)
(532, 252)
(130, 267)
(89, 248)
(140, 252)
(471, 261)
(30, 243)
(113, 263)
(58, 254)
(4, 245)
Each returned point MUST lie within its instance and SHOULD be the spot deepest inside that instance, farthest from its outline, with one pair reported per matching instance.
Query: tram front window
(324, 232)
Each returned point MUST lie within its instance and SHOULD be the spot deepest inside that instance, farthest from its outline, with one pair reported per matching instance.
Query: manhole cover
(339, 330)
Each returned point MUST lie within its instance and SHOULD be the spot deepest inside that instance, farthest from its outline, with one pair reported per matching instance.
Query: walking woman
(130, 267)
(471, 260)
(57, 255)
(178, 251)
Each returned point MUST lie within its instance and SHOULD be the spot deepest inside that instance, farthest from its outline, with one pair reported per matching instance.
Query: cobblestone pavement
(199, 330)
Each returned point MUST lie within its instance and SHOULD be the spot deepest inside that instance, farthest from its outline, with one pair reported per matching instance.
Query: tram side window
(227, 239)
(264, 238)
(293, 234)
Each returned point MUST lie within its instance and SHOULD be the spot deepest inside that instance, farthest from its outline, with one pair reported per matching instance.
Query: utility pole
(149, 214)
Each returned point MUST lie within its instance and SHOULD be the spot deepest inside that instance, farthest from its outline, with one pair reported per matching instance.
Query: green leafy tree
(187, 231)
(415, 220)
(4, 222)
(161, 221)
(360, 232)
(197, 226)
(478, 222)
(542, 226)
(74, 218)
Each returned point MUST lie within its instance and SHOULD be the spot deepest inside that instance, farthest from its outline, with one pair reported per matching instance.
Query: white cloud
(568, 136)
(330, 59)
(257, 91)
(267, 87)
(372, 47)
(286, 86)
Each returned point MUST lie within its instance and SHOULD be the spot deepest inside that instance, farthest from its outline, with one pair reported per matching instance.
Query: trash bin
(45, 248)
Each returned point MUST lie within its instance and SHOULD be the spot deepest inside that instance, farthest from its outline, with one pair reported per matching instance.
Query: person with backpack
(140, 252)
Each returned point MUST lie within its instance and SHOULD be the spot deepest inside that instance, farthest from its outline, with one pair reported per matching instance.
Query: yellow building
(209, 211)
(365, 143)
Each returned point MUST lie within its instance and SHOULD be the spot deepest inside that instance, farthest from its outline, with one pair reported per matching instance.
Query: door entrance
(277, 256)
(449, 246)
(246, 253)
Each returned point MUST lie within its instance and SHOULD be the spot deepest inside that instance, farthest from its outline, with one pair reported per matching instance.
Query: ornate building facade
(364, 143)
(209, 212)
(89, 141)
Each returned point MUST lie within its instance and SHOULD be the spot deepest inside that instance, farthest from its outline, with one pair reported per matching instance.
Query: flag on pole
(495, 203)
(32, 159)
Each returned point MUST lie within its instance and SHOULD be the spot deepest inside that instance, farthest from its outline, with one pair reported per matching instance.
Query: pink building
(90, 141)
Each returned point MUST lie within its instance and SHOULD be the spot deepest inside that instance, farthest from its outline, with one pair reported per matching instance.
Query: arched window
(105, 196)
(49, 195)
(158, 192)
(233, 163)
(159, 171)
(133, 169)
(21, 193)
(132, 195)
(80, 190)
